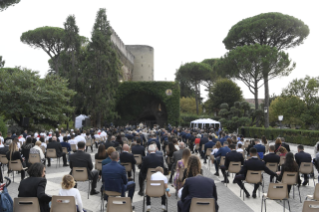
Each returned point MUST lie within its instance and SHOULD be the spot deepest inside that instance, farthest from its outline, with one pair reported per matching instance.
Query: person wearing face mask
(34, 186)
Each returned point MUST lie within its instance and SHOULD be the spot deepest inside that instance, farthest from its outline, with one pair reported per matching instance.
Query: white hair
(199, 136)
(152, 148)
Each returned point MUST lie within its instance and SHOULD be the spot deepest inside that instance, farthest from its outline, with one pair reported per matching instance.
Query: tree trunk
(266, 101)
(196, 98)
(256, 104)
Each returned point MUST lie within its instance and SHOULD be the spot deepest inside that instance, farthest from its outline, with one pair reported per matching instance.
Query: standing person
(68, 189)
(277, 144)
(114, 178)
(284, 144)
(300, 157)
(170, 153)
(34, 186)
(289, 166)
(126, 157)
(265, 142)
(177, 155)
(14, 154)
(58, 148)
(83, 159)
(202, 143)
(180, 167)
(253, 164)
(200, 187)
(271, 158)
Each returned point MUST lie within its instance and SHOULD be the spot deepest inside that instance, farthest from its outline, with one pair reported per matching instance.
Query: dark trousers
(130, 187)
(141, 179)
(216, 162)
(172, 171)
(148, 200)
(179, 205)
(94, 176)
(91, 148)
(305, 177)
(239, 178)
(63, 156)
(223, 169)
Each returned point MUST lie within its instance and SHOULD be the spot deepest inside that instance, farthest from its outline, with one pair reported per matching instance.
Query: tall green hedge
(156, 89)
(3, 127)
(305, 137)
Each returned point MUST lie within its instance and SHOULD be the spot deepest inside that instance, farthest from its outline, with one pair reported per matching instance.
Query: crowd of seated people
(168, 151)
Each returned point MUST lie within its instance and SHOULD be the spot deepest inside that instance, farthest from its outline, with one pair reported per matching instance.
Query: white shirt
(41, 152)
(73, 142)
(61, 138)
(1, 139)
(44, 144)
(214, 151)
(176, 147)
(79, 138)
(22, 139)
(159, 176)
(75, 193)
(240, 150)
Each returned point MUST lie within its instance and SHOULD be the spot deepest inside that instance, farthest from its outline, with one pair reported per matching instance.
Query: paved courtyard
(228, 197)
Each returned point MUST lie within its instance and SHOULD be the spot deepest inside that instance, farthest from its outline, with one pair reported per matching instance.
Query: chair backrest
(272, 166)
(234, 167)
(26, 204)
(112, 193)
(80, 173)
(127, 166)
(222, 161)
(15, 165)
(197, 146)
(4, 159)
(254, 177)
(277, 191)
(267, 147)
(150, 171)
(43, 149)
(208, 151)
(203, 147)
(51, 153)
(63, 204)
(88, 141)
(98, 164)
(310, 206)
(169, 160)
(138, 159)
(202, 204)
(246, 144)
(34, 158)
(316, 193)
(282, 160)
(73, 147)
(290, 178)
(155, 188)
(65, 150)
(306, 168)
(119, 204)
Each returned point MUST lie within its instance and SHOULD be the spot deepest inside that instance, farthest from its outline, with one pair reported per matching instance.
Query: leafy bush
(3, 127)
(305, 137)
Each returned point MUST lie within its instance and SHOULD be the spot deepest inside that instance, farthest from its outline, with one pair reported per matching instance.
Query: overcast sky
(180, 31)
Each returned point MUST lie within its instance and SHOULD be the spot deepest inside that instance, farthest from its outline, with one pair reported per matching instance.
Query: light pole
(280, 118)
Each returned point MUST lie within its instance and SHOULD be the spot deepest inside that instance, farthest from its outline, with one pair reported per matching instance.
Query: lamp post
(280, 118)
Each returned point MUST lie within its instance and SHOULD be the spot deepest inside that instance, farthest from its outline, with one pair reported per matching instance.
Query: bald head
(182, 145)
(126, 147)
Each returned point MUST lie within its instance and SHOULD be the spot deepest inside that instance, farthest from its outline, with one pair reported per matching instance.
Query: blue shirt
(222, 152)
(67, 145)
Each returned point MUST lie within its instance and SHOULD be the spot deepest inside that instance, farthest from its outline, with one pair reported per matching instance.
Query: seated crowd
(162, 155)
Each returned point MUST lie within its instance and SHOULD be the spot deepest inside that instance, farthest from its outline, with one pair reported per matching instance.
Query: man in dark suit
(221, 152)
(152, 160)
(209, 144)
(200, 187)
(271, 158)
(203, 141)
(127, 157)
(284, 144)
(110, 142)
(153, 139)
(114, 178)
(232, 156)
(138, 149)
(58, 148)
(83, 159)
(253, 164)
(177, 155)
(300, 157)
